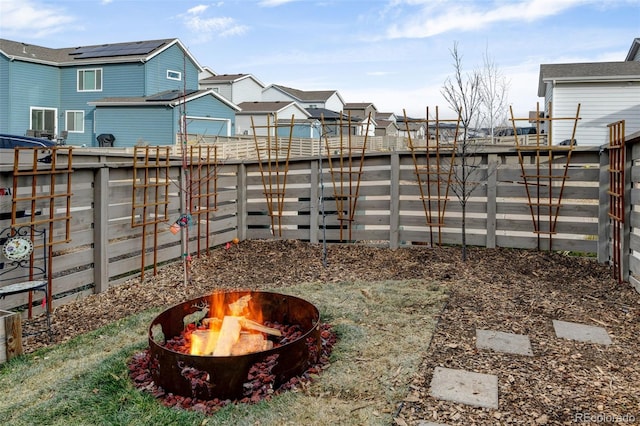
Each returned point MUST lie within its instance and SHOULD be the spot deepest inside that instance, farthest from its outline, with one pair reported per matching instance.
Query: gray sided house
(606, 91)
(329, 99)
(363, 113)
(262, 118)
(135, 91)
(237, 88)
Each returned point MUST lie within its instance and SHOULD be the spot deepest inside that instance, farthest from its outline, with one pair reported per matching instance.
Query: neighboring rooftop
(307, 95)
(101, 53)
(588, 71)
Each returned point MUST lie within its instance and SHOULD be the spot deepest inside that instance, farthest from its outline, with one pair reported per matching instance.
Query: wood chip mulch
(515, 291)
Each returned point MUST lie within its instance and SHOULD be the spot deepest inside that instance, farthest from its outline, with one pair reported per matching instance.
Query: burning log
(230, 339)
(204, 341)
(239, 305)
(251, 342)
(252, 325)
(229, 335)
(224, 337)
(230, 377)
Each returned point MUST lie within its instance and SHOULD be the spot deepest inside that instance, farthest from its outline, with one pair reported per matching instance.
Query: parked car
(15, 141)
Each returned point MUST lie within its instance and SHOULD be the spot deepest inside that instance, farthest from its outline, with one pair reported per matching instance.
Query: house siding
(272, 94)
(334, 103)
(5, 104)
(117, 80)
(38, 86)
(171, 59)
(243, 90)
(246, 90)
(243, 121)
(209, 116)
(134, 125)
(600, 105)
(222, 89)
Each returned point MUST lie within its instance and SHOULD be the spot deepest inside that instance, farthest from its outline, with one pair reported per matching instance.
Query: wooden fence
(105, 249)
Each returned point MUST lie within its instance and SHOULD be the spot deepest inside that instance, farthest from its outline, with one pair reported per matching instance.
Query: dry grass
(383, 329)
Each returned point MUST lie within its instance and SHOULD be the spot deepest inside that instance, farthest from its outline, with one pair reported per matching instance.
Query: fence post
(314, 202)
(625, 258)
(241, 201)
(604, 230)
(101, 228)
(492, 183)
(394, 201)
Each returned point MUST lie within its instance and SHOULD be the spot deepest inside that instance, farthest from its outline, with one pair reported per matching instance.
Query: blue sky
(394, 53)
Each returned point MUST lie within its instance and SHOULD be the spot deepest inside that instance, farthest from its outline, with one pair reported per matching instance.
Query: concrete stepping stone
(581, 332)
(499, 341)
(465, 387)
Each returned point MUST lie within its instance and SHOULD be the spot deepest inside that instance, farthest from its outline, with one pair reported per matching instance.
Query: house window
(174, 75)
(43, 119)
(74, 121)
(90, 80)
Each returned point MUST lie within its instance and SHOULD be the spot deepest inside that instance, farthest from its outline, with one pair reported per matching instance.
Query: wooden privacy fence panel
(390, 209)
(630, 241)
(104, 249)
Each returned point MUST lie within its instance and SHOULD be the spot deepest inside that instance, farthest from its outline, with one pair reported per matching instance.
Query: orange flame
(204, 341)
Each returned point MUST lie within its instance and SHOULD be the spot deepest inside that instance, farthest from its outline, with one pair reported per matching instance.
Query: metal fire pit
(227, 374)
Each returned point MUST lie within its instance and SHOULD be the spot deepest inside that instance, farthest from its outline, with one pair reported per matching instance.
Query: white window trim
(178, 78)
(55, 114)
(66, 122)
(89, 90)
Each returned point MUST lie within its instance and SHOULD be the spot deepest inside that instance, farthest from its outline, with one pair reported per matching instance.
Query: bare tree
(494, 90)
(463, 92)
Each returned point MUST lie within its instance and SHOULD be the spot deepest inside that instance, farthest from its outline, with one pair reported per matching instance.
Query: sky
(395, 54)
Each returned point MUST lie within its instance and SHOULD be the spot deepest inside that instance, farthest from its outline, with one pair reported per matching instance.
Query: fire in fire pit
(210, 347)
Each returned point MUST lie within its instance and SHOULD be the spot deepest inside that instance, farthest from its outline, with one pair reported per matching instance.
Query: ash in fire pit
(223, 346)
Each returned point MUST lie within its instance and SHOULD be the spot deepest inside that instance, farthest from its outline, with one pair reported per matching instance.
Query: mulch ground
(514, 291)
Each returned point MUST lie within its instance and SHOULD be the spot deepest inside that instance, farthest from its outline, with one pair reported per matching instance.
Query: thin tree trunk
(464, 232)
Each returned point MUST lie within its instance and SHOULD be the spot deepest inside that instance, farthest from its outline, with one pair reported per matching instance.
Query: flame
(205, 341)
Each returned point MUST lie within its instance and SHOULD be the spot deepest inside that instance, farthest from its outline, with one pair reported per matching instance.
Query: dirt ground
(506, 290)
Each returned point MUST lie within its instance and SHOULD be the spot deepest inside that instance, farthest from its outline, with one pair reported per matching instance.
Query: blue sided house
(134, 93)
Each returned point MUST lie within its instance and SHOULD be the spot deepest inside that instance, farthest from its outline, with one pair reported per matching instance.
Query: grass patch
(383, 330)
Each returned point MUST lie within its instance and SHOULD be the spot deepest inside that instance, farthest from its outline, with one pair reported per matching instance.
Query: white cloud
(208, 28)
(29, 17)
(435, 18)
(380, 73)
(196, 10)
(274, 3)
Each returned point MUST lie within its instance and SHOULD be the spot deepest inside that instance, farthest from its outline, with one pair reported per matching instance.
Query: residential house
(386, 128)
(263, 118)
(606, 92)
(386, 124)
(414, 128)
(136, 91)
(363, 113)
(237, 88)
(333, 123)
(328, 99)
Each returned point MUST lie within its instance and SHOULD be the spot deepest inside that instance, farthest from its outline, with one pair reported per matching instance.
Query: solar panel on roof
(170, 95)
(120, 49)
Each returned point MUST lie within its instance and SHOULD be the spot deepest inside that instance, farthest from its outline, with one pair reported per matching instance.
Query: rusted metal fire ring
(226, 375)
